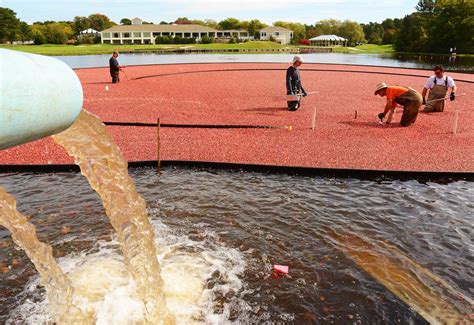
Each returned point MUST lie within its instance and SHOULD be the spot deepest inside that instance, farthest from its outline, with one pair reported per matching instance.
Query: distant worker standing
(409, 98)
(115, 67)
(438, 85)
(293, 84)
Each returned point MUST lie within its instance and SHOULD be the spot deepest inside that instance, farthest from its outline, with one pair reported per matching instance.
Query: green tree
(373, 32)
(352, 31)
(390, 36)
(125, 21)
(451, 24)
(254, 26)
(100, 22)
(81, 23)
(25, 32)
(327, 26)
(311, 31)
(229, 23)
(37, 31)
(183, 21)
(9, 25)
(211, 23)
(198, 22)
(57, 33)
(413, 36)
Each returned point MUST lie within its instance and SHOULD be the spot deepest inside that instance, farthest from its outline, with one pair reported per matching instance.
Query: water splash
(58, 286)
(196, 273)
(102, 163)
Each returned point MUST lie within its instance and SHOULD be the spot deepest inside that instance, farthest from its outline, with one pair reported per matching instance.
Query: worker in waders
(409, 98)
(294, 87)
(438, 86)
(115, 68)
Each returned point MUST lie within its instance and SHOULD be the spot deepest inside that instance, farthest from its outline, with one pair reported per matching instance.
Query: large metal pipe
(39, 96)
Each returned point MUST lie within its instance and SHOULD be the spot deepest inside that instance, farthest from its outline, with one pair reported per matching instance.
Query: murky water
(225, 230)
(460, 63)
(59, 287)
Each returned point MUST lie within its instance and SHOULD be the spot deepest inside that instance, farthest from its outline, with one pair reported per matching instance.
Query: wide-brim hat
(379, 87)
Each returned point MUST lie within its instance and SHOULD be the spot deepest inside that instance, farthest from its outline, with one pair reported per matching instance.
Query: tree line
(435, 26)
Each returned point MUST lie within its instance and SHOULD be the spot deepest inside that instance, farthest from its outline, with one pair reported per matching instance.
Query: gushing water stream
(102, 164)
(58, 286)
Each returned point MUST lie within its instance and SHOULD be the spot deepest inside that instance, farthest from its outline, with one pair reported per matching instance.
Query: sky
(268, 11)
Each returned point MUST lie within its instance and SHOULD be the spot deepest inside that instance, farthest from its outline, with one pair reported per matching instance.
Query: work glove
(381, 116)
(424, 101)
(452, 96)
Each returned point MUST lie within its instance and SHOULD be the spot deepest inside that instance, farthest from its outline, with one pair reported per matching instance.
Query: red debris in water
(283, 269)
(279, 271)
(186, 94)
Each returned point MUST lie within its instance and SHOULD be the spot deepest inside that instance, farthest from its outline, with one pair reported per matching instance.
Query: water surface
(245, 223)
(461, 64)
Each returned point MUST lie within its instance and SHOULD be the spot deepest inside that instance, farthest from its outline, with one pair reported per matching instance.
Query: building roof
(234, 30)
(159, 28)
(270, 29)
(328, 38)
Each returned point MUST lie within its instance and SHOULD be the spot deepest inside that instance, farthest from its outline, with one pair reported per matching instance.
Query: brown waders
(437, 92)
(411, 102)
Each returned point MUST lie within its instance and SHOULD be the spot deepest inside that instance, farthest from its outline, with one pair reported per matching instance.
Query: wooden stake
(456, 118)
(313, 120)
(158, 165)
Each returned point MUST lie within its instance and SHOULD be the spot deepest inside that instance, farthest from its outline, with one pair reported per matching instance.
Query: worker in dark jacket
(115, 68)
(294, 88)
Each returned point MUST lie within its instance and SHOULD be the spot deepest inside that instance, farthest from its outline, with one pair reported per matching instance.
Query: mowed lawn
(49, 49)
(366, 49)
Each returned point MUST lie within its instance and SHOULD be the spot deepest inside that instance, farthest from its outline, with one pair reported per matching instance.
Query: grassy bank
(366, 49)
(49, 49)
(383, 49)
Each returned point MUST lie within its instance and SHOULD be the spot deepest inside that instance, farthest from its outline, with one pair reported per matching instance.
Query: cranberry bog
(236, 113)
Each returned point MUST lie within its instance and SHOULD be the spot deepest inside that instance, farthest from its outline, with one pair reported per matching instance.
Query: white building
(137, 33)
(280, 34)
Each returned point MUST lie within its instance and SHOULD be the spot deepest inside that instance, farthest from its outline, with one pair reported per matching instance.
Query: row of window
(148, 34)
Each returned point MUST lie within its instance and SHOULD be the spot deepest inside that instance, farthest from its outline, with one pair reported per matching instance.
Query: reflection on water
(462, 64)
(230, 228)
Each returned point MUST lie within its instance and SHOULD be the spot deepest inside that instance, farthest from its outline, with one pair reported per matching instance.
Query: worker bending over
(438, 85)
(409, 98)
(293, 84)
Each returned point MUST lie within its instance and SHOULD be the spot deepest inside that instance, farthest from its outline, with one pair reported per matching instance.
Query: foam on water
(196, 274)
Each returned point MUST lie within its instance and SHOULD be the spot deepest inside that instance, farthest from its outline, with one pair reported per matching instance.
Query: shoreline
(244, 48)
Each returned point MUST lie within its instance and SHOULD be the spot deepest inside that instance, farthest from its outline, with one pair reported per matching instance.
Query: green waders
(411, 102)
(437, 92)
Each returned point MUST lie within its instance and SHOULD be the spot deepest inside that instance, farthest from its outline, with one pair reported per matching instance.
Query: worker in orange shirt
(409, 98)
